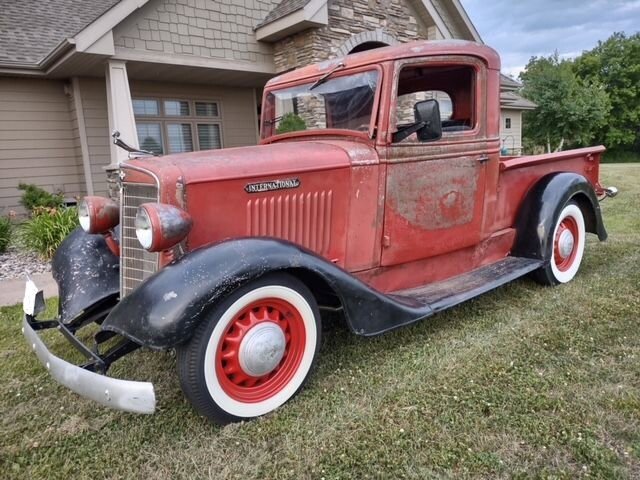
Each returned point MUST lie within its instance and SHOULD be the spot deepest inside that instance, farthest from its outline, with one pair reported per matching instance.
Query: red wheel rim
(564, 262)
(239, 384)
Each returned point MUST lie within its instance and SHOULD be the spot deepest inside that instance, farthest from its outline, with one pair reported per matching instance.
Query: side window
(452, 87)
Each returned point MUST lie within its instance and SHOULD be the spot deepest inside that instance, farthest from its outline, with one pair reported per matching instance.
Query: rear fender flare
(536, 217)
(167, 307)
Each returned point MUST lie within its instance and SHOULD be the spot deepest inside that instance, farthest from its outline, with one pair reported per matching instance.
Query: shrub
(47, 228)
(5, 234)
(620, 156)
(35, 197)
(290, 122)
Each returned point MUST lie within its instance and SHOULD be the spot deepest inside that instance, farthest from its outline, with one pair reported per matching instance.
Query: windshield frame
(368, 135)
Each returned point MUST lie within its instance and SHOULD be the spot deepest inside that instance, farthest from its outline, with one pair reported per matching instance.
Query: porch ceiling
(88, 65)
(189, 74)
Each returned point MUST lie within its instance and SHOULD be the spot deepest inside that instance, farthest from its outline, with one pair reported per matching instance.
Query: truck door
(435, 190)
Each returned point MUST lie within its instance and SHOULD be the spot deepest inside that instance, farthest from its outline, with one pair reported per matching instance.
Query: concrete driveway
(12, 291)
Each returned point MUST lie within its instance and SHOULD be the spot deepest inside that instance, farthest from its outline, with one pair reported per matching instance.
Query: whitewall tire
(253, 352)
(565, 248)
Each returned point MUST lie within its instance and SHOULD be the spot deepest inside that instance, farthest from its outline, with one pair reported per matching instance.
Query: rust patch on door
(436, 194)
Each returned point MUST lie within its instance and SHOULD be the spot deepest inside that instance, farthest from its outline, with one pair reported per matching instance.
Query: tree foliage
(594, 98)
(570, 110)
(615, 63)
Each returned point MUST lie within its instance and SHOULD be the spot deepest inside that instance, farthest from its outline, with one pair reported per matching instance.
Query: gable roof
(31, 29)
(508, 83)
(513, 100)
(284, 8)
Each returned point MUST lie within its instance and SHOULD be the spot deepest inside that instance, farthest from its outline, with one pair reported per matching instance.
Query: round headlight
(160, 226)
(144, 229)
(98, 214)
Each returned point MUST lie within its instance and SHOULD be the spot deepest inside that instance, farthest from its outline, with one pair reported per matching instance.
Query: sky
(520, 29)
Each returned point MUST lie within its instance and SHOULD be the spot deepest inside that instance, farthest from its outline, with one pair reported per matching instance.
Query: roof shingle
(31, 29)
(513, 100)
(284, 8)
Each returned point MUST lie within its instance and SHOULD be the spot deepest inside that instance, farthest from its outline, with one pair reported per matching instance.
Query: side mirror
(427, 112)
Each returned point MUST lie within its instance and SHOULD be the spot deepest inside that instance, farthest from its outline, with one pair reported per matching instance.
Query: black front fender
(87, 274)
(166, 308)
(542, 205)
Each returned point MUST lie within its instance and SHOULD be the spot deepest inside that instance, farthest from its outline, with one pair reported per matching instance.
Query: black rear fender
(542, 205)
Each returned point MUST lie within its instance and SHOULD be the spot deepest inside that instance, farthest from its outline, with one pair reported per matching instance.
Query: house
(171, 75)
(511, 107)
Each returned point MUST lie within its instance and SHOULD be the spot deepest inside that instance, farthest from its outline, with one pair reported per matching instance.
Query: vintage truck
(377, 191)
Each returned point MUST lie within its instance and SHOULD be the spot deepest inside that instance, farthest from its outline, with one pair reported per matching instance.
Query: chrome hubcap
(565, 243)
(262, 349)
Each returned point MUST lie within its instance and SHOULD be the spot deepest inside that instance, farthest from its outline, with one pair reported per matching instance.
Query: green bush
(35, 197)
(621, 156)
(47, 228)
(290, 122)
(5, 234)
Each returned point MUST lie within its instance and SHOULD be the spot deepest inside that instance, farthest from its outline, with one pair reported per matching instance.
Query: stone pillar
(121, 118)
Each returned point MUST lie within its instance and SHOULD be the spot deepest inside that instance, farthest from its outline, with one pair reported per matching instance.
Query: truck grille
(136, 263)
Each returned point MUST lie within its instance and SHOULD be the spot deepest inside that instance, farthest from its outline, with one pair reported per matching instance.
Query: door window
(451, 86)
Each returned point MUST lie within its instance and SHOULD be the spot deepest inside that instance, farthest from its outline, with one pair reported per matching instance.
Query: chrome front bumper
(126, 395)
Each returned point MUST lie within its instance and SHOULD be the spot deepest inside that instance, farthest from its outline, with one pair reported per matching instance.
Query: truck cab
(377, 191)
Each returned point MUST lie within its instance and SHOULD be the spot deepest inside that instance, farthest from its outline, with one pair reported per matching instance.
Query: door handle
(483, 159)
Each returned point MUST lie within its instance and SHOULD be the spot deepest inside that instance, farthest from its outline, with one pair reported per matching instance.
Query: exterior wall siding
(39, 141)
(200, 28)
(396, 18)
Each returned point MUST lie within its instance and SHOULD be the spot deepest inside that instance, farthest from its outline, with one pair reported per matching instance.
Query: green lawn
(524, 382)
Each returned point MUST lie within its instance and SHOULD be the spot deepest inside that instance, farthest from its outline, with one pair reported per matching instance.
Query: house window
(507, 123)
(176, 125)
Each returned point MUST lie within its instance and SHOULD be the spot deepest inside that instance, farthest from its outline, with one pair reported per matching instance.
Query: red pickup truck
(377, 191)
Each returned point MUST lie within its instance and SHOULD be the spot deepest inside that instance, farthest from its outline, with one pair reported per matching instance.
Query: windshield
(344, 102)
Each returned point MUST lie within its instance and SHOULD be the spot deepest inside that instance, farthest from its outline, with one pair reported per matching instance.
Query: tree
(569, 110)
(615, 63)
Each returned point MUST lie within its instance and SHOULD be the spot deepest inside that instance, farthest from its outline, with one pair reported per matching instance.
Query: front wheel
(566, 247)
(253, 352)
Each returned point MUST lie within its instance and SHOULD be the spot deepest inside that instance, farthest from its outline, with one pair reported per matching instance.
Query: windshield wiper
(326, 76)
(275, 120)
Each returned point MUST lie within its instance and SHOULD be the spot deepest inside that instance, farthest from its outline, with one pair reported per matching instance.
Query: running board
(445, 294)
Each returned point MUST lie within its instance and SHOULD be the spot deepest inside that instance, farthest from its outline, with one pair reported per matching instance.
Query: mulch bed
(16, 263)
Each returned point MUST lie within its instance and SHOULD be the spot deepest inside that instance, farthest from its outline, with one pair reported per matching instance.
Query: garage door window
(176, 125)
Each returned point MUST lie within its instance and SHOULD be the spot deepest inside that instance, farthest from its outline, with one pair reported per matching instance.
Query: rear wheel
(253, 352)
(566, 247)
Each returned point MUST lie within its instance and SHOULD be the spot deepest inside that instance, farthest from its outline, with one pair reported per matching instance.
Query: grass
(524, 382)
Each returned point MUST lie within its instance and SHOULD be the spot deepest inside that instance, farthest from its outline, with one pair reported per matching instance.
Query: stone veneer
(366, 20)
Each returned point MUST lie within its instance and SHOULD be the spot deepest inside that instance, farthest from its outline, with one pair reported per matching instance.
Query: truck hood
(259, 161)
